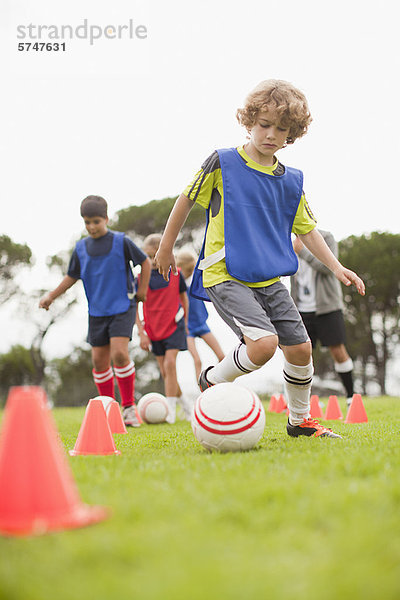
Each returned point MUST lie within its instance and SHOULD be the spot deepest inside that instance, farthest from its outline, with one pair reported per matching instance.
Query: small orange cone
(37, 490)
(272, 404)
(114, 418)
(356, 412)
(34, 391)
(315, 409)
(280, 404)
(95, 436)
(333, 411)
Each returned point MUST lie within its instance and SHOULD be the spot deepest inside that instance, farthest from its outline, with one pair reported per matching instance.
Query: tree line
(372, 321)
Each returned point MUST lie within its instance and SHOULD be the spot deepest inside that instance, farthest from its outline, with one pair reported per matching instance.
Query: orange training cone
(315, 409)
(34, 391)
(272, 404)
(94, 435)
(333, 411)
(114, 418)
(280, 404)
(356, 412)
(37, 489)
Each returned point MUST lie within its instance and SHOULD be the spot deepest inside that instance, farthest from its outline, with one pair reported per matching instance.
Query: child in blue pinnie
(253, 204)
(103, 261)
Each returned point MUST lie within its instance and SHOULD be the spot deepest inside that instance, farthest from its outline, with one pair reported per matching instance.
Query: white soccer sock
(234, 364)
(187, 406)
(171, 401)
(297, 382)
(344, 367)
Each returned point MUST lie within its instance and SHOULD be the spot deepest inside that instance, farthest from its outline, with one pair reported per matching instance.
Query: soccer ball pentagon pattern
(228, 418)
(153, 408)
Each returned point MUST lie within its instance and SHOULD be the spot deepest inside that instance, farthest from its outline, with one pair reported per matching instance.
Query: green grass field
(294, 518)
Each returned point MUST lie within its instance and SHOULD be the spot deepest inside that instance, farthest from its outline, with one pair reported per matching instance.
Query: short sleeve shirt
(206, 189)
(100, 247)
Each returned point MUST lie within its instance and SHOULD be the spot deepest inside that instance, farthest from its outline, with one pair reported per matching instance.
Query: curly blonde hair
(289, 103)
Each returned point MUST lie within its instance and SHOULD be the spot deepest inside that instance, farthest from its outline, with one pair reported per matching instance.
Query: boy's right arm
(143, 281)
(144, 340)
(316, 244)
(165, 257)
(48, 298)
(306, 255)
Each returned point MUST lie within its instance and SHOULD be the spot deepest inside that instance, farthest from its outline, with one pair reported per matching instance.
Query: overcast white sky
(133, 119)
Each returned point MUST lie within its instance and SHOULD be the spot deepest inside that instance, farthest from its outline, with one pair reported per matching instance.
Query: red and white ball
(228, 418)
(106, 400)
(153, 408)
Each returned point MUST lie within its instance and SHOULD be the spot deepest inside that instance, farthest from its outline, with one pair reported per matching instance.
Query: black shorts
(101, 329)
(328, 329)
(175, 341)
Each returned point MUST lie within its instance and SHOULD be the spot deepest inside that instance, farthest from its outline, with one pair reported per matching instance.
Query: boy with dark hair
(253, 205)
(103, 261)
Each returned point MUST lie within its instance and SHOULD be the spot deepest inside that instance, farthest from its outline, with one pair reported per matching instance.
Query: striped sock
(345, 372)
(126, 383)
(104, 381)
(297, 381)
(234, 364)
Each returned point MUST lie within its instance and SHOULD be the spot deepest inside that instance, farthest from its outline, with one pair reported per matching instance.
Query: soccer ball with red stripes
(228, 418)
(153, 408)
(106, 400)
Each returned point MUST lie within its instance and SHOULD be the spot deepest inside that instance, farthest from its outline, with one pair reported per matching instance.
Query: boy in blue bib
(103, 261)
(253, 204)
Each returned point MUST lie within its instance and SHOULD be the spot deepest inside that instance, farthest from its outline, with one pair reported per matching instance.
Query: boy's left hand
(349, 277)
(140, 296)
(145, 343)
(165, 261)
(45, 301)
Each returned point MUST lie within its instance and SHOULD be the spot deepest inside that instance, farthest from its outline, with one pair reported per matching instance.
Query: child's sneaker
(349, 401)
(187, 407)
(310, 427)
(203, 381)
(131, 417)
(171, 417)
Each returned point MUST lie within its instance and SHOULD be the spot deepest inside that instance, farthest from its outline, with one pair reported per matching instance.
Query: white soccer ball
(153, 408)
(106, 400)
(228, 418)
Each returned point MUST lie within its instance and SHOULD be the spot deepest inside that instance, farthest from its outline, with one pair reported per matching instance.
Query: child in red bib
(163, 328)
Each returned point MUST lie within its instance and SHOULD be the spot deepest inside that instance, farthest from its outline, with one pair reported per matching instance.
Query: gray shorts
(258, 312)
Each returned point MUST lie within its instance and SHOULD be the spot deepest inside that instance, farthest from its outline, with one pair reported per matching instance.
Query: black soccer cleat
(203, 382)
(311, 428)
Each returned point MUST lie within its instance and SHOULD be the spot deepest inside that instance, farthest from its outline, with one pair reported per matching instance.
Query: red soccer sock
(126, 383)
(104, 381)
